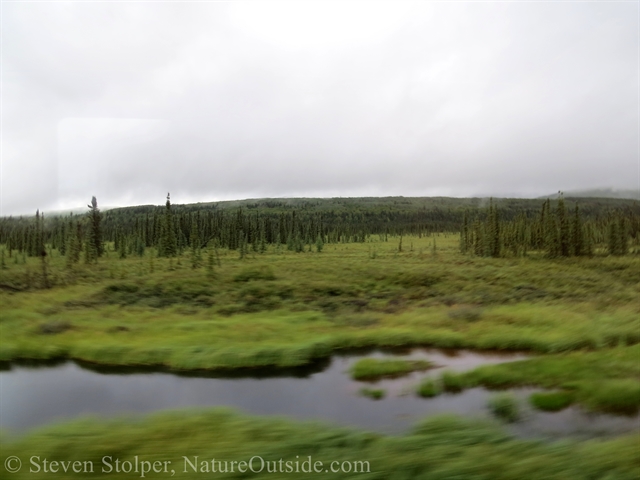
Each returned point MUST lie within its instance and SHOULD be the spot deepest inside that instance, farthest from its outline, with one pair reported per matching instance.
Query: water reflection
(32, 394)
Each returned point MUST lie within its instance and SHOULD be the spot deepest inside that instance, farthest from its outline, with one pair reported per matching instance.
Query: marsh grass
(444, 447)
(614, 396)
(281, 309)
(452, 382)
(469, 313)
(604, 380)
(551, 401)
(504, 406)
(53, 327)
(374, 368)
(429, 388)
(373, 393)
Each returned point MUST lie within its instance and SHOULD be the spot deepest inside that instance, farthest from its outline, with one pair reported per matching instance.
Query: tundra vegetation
(374, 368)
(280, 283)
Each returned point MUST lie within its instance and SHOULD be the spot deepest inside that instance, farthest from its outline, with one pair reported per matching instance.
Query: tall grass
(445, 447)
(374, 368)
(605, 380)
(504, 406)
(286, 309)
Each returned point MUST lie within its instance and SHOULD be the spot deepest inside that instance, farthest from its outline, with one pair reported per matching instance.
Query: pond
(34, 395)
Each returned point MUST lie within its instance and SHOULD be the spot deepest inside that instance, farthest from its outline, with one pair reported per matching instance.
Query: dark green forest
(487, 227)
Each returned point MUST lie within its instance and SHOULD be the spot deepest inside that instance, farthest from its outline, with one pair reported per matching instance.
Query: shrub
(260, 273)
(415, 279)
(54, 327)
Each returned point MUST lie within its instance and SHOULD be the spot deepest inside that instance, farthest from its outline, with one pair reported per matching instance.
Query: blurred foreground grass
(440, 448)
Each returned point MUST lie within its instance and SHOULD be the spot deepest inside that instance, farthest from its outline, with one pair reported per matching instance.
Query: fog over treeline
(223, 101)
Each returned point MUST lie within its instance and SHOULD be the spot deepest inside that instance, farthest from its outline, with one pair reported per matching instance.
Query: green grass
(428, 388)
(374, 368)
(440, 448)
(287, 309)
(551, 401)
(374, 393)
(281, 309)
(452, 382)
(605, 380)
(504, 406)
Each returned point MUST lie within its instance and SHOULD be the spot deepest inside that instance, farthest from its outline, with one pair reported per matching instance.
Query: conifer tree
(94, 232)
(562, 229)
(577, 234)
(551, 237)
(493, 241)
(169, 244)
(613, 238)
(38, 239)
(62, 247)
(139, 246)
(74, 245)
(210, 263)
(618, 237)
(195, 244)
(122, 250)
(464, 233)
(478, 240)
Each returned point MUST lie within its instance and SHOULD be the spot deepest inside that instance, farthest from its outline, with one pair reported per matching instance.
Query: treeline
(505, 227)
(555, 230)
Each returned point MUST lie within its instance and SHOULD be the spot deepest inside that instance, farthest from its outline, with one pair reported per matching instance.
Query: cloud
(230, 100)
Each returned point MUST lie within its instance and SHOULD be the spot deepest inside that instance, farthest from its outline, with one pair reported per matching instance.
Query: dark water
(36, 395)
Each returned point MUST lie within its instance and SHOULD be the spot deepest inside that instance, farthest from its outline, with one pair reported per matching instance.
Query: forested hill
(379, 214)
(301, 221)
(509, 207)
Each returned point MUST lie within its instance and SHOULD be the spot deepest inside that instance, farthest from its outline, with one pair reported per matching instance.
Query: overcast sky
(212, 101)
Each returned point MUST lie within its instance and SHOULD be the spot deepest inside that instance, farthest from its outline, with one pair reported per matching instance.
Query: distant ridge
(68, 211)
(599, 193)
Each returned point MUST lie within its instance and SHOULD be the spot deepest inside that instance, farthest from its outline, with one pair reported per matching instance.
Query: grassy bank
(281, 309)
(285, 308)
(373, 368)
(442, 448)
(603, 380)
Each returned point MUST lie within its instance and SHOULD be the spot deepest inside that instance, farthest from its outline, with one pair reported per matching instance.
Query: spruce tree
(168, 244)
(195, 244)
(464, 233)
(139, 246)
(122, 250)
(74, 246)
(577, 234)
(617, 240)
(210, 264)
(550, 232)
(94, 232)
(478, 240)
(614, 238)
(563, 229)
(494, 231)
(38, 249)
